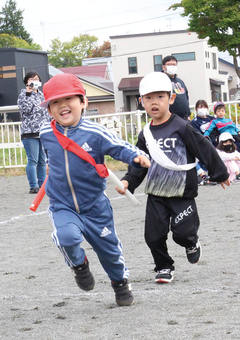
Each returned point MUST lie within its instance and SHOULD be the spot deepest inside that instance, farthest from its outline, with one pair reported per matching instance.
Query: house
(98, 86)
(135, 55)
(227, 68)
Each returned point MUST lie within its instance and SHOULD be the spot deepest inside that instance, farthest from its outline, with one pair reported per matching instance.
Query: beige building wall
(194, 73)
(102, 107)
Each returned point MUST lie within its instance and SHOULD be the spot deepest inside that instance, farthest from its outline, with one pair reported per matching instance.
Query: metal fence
(126, 125)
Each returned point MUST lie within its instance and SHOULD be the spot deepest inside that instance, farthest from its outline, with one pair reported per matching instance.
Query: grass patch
(112, 164)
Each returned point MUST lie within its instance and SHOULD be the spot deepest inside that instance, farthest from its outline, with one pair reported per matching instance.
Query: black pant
(164, 214)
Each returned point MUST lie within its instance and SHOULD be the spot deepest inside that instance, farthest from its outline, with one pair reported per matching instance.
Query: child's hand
(122, 191)
(143, 161)
(227, 182)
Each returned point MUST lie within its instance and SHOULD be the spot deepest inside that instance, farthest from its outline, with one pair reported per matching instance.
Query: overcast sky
(46, 20)
(49, 19)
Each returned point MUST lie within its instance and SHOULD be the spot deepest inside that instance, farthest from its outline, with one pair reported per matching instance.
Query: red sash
(70, 145)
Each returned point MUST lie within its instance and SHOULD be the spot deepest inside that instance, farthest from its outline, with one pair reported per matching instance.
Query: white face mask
(202, 112)
(171, 69)
(35, 84)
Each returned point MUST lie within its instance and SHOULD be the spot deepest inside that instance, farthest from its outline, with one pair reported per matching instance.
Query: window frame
(129, 66)
(176, 55)
(157, 64)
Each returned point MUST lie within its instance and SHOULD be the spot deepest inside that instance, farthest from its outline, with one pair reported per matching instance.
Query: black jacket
(181, 104)
(182, 144)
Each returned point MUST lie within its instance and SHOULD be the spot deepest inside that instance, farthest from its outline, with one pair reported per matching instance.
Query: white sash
(159, 156)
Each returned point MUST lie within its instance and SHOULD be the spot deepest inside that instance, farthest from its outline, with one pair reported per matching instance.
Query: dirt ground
(40, 300)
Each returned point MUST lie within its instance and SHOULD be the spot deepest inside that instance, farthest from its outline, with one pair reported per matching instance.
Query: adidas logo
(105, 232)
(86, 147)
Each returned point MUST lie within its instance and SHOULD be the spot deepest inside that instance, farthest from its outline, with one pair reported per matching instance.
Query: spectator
(223, 124)
(229, 155)
(202, 119)
(181, 103)
(32, 117)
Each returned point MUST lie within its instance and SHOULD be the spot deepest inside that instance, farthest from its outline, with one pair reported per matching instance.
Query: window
(207, 65)
(132, 65)
(157, 63)
(184, 56)
(214, 61)
(224, 96)
(206, 54)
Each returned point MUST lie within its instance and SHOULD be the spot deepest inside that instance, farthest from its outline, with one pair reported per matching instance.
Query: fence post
(139, 121)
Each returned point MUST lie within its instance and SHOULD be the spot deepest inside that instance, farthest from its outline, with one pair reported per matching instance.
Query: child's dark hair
(81, 98)
(168, 58)
(220, 146)
(201, 102)
(29, 75)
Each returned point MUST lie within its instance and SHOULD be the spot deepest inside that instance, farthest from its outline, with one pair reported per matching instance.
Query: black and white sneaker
(83, 276)
(194, 253)
(123, 294)
(164, 275)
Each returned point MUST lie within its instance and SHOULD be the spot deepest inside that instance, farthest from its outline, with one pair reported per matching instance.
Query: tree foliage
(8, 41)
(11, 21)
(219, 20)
(102, 51)
(67, 54)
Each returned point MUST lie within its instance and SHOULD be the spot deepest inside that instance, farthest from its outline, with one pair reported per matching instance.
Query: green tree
(102, 51)
(11, 21)
(66, 54)
(9, 40)
(219, 20)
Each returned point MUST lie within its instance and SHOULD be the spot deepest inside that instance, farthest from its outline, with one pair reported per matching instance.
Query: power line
(129, 23)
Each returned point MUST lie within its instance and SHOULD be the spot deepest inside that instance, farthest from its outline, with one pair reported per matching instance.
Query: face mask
(202, 112)
(35, 84)
(228, 148)
(171, 69)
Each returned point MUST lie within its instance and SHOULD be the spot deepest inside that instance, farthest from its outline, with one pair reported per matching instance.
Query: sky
(49, 19)
(46, 20)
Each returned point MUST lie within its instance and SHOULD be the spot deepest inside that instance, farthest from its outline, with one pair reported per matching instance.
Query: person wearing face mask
(181, 104)
(202, 119)
(227, 151)
(32, 117)
(201, 123)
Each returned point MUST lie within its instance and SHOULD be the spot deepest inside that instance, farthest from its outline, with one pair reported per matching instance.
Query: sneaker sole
(163, 280)
(123, 303)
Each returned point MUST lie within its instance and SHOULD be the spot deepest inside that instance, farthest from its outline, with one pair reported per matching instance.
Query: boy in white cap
(76, 182)
(171, 185)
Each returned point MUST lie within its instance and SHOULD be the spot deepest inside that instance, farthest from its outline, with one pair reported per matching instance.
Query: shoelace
(191, 250)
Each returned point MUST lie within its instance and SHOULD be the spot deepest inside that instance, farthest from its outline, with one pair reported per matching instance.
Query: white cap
(155, 82)
(225, 136)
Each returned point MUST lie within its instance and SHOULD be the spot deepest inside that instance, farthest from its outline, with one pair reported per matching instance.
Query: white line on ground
(21, 217)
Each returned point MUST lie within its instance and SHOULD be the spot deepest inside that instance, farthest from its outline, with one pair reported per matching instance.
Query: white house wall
(144, 46)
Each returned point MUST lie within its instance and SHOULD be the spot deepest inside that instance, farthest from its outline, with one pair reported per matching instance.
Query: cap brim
(46, 102)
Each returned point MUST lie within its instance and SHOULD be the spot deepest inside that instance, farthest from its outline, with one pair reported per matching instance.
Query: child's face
(157, 106)
(228, 142)
(67, 110)
(220, 113)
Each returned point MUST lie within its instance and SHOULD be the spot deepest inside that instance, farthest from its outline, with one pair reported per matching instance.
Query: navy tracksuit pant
(97, 227)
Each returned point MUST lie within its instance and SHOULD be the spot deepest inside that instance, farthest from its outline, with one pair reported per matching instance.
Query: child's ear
(172, 98)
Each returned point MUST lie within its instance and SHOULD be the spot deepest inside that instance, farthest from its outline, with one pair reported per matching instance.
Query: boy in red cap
(76, 182)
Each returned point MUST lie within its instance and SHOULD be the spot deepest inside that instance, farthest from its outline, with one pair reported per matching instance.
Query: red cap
(62, 85)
